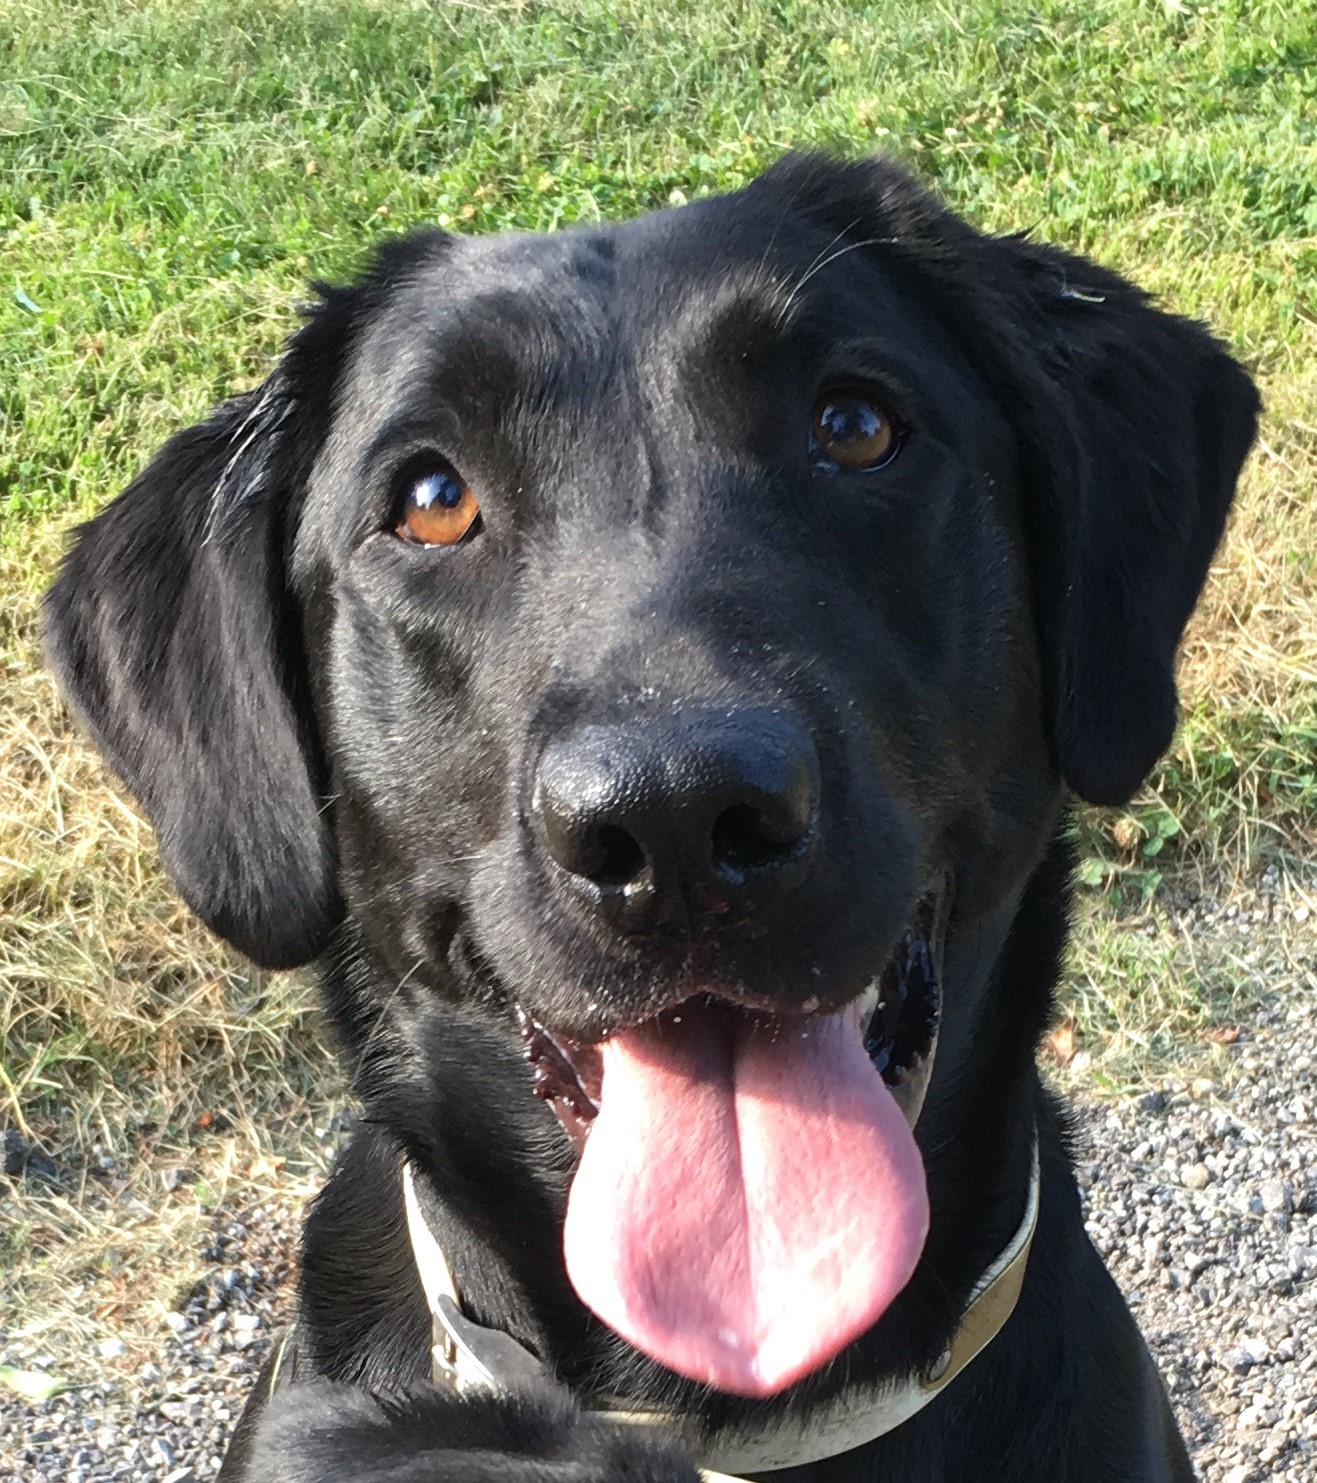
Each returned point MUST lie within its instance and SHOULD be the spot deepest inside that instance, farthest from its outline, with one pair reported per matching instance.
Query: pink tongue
(750, 1198)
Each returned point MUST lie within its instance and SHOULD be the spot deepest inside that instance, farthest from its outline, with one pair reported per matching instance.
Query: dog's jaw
(780, 1130)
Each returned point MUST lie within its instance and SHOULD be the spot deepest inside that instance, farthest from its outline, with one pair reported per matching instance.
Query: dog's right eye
(437, 509)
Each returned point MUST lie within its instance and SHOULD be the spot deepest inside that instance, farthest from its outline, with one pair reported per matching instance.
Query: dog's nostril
(666, 815)
(743, 839)
(611, 857)
(578, 817)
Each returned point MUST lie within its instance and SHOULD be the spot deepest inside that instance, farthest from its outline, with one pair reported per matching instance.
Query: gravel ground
(168, 1422)
(1203, 1199)
(1204, 1203)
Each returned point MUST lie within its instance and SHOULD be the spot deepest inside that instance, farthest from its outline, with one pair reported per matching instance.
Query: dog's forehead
(671, 281)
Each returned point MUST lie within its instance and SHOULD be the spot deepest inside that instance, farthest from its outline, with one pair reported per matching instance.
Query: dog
(648, 668)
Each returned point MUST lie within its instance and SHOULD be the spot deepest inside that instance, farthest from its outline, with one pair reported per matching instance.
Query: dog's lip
(568, 1074)
(901, 1038)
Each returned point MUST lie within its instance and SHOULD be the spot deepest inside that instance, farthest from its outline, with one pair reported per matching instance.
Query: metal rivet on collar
(938, 1368)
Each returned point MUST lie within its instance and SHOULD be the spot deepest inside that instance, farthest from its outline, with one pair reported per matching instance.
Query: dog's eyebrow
(741, 315)
(408, 428)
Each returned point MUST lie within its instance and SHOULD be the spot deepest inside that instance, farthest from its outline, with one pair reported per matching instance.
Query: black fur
(337, 735)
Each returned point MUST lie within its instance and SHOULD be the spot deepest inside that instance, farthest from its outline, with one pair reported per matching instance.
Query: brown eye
(853, 431)
(439, 510)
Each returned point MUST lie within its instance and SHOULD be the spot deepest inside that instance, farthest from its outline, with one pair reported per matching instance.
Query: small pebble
(1195, 1176)
(15, 1152)
(1277, 1197)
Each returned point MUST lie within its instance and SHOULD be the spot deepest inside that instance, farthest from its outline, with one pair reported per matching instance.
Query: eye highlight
(851, 431)
(437, 509)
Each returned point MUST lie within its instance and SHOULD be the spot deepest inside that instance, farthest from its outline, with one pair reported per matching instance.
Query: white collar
(469, 1357)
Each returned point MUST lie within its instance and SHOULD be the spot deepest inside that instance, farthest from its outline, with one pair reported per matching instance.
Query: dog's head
(670, 643)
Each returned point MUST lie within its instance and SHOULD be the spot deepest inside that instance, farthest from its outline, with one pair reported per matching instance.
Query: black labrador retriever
(647, 667)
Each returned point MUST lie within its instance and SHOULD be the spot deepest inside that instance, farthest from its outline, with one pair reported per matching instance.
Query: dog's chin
(749, 1197)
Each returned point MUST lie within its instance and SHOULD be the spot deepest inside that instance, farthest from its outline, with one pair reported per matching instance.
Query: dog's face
(721, 653)
(669, 643)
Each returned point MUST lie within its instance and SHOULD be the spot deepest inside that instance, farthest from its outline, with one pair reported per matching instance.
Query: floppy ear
(1133, 424)
(1141, 421)
(173, 631)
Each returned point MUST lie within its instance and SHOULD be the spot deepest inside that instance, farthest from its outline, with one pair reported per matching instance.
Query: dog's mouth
(896, 1017)
(749, 1197)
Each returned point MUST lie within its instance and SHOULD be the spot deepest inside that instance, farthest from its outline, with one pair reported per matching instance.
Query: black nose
(669, 820)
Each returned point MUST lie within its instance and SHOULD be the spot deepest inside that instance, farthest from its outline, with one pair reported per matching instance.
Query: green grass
(171, 175)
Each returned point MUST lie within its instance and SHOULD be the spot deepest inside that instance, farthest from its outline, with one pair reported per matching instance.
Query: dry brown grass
(132, 1043)
(1147, 988)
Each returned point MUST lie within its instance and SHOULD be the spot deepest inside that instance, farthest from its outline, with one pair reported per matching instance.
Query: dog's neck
(470, 1358)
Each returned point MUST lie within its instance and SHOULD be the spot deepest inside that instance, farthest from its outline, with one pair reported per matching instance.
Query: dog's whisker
(825, 250)
(378, 1029)
(840, 253)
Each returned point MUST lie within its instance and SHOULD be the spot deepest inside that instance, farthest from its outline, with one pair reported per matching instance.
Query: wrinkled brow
(738, 316)
(493, 347)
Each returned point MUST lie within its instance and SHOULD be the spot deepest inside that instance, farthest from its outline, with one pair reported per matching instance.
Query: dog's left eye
(852, 431)
(438, 509)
